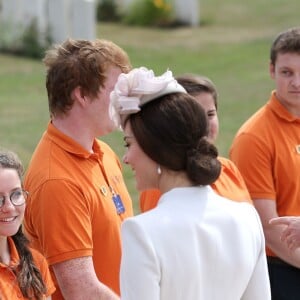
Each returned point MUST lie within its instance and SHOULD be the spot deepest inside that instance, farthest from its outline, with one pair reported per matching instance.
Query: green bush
(27, 43)
(107, 11)
(32, 46)
(150, 13)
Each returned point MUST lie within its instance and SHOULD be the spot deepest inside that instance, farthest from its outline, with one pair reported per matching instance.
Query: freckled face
(206, 100)
(11, 216)
(144, 168)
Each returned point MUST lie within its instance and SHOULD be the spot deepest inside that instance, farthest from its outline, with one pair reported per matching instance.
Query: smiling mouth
(7, 220)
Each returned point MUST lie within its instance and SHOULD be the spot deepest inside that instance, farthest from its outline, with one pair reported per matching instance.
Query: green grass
(231, 47)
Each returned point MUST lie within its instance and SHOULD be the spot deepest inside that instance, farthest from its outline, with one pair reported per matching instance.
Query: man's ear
(272, 70)
(78, 96)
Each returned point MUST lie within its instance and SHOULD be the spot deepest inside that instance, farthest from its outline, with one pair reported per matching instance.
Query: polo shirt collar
(278, 109)
(70, 145)
(14, 256)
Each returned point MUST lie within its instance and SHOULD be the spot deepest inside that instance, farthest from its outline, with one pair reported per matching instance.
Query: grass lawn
(231, 47)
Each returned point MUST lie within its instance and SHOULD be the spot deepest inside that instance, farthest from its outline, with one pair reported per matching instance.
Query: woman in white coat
(194, 245)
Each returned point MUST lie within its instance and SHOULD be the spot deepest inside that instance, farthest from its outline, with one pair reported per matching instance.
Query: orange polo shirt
(9, 288)
(266, 150)
(230, 184)
(70, 211)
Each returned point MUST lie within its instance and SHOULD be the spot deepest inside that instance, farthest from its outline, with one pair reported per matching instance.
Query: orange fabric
(265, 151)
(230, 184)
(70, 212)
(9, 288)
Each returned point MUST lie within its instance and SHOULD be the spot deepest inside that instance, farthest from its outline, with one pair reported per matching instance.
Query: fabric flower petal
(138, 87)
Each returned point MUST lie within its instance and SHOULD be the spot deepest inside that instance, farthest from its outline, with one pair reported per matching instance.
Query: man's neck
(80, 133)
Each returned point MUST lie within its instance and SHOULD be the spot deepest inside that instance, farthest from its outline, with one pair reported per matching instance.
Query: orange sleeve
(62, 222)
(255, 165)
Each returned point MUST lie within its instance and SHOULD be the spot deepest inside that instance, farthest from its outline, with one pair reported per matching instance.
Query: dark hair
(80, 63)
(28, 275)
(172, 131)
(286, 42)
(196, 84)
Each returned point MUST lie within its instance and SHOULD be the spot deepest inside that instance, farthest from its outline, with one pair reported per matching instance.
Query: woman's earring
(158, 170)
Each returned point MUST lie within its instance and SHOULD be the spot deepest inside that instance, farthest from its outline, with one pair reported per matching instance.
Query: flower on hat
(138, 87)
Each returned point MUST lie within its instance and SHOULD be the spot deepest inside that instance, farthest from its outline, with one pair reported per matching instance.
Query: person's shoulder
(241, 217)
(246, 210)
(232, 206)
(255, 132)
(229, 168)
(254, 121)
(149, 220)
(36, 254)
(227, 163)
(38, 257)
(143, 217)
(225, 212)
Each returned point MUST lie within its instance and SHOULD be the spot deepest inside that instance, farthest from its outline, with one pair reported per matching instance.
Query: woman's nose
(7, 205)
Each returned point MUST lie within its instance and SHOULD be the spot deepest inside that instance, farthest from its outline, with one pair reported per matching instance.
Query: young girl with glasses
(24, 272)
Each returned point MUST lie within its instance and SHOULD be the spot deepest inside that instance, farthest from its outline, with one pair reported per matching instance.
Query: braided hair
(28, 275)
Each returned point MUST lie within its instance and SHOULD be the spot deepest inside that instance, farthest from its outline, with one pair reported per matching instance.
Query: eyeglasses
(17, 198)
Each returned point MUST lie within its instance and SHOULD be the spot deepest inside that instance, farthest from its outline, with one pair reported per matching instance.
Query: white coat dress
(195, 245)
